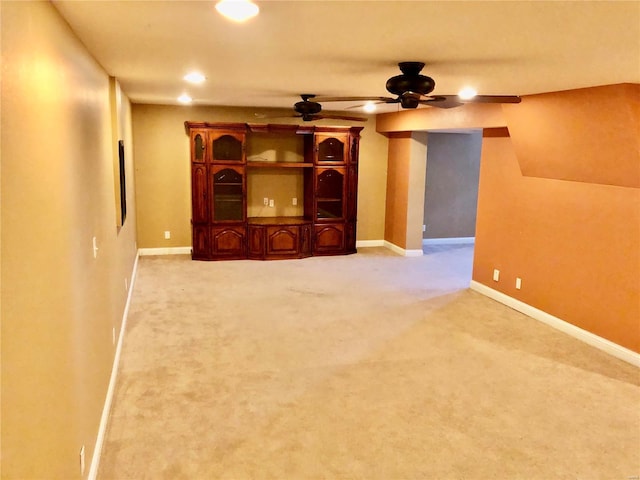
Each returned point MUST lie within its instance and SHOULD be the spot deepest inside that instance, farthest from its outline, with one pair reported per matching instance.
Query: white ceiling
(352, 47)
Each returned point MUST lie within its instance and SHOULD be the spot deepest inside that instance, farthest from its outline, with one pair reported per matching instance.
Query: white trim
(448, 241)
(402, 251)
(592, 339)
(369, 243)
(164, 251)
(104, 419)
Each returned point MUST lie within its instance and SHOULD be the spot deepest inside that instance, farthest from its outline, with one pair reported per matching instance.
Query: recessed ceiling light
(237, 10)
(467, 93)
(184, 98)
(194, 77)
(369, 107)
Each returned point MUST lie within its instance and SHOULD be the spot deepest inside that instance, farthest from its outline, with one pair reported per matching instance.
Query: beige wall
(575, 244)
(163, 185)
(59, 304)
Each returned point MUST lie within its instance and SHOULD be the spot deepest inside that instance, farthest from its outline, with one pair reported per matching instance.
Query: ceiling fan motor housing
(411, 80)
(307, 107)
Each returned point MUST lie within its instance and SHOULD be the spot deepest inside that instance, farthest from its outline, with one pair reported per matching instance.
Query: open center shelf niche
(310, 173)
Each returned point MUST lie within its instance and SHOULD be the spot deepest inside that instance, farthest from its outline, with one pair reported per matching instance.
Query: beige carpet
(369, 366)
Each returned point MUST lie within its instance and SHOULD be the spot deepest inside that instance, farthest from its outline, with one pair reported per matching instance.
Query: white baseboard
(402, 251)
(104, 419)
(592, 339)
(369, 243)
(164, 251)
(449, 241)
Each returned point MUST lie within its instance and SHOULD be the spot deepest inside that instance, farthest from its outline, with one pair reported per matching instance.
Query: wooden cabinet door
(228, 242)
(350, 237)
(227, 146)
(200, 242)
(352, 193)
(255, 242)
(331, 148)
(199, 194)
(305, 240)
(198, 146)
(329, 239)
(355, 149)
(283, 240)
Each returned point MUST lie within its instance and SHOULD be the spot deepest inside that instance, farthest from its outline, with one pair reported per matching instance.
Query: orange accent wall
(575, 245)
(487, 115)
(558, 201)
(587, 135)
(395, 226)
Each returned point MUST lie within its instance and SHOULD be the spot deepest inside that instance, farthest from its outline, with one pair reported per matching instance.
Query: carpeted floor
(368, 366)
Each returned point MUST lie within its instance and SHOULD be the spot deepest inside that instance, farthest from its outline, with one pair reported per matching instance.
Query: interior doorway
(451, 195)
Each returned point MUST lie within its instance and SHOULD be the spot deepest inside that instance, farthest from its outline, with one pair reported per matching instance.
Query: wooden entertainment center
(267, 191)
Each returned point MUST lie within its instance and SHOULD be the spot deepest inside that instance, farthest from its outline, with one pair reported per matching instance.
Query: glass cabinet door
(227, 147)
(330, 185)
(228, 194)
(331, 149)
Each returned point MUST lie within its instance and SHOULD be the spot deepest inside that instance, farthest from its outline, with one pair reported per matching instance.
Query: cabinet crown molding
(272, 128)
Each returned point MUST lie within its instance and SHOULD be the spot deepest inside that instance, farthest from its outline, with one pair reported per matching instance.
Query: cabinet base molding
(592, 339)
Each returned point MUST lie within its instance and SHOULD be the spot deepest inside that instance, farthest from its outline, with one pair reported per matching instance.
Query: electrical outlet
(95, 248)
(266, 201)
(496, 275)
(518, 283)
(82, 460)
(294, 201)
(271, 202)
(167, 234)
(424, 228)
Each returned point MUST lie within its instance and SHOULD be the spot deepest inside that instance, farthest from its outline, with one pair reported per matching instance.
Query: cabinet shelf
(254, 164)
(278, 221)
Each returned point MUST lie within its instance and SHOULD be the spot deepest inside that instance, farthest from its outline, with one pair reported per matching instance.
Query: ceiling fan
(309, 110)
(412, 89)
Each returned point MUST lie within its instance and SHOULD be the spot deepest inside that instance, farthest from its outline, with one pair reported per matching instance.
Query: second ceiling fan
(412, 89)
